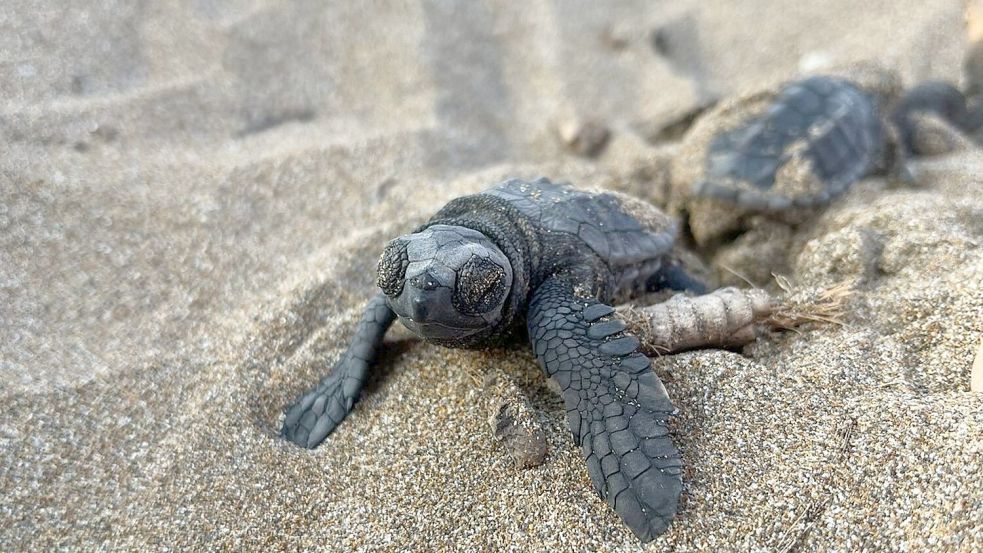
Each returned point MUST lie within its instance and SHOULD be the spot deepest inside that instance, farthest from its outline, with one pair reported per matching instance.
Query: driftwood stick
(729, 317)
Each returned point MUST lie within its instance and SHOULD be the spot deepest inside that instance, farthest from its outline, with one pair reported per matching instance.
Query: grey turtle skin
(781, 155)
(936, 98)
(553, 259)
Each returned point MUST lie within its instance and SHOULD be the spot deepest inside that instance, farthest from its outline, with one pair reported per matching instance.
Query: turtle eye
(392, 268)
(480, 286)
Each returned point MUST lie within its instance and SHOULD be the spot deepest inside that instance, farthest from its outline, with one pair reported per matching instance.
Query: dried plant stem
(730, 317)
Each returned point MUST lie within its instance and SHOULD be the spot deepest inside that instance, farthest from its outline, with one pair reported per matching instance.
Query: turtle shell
(799, 148)
(620, 230)
(629, 236)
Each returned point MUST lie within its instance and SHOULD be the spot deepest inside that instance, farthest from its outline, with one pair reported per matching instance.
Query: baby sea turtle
(551, 258)
(781, 154)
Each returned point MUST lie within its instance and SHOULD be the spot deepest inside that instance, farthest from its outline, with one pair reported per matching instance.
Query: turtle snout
(425, 282)
(423, 301)
(423, 293)
(418, 309)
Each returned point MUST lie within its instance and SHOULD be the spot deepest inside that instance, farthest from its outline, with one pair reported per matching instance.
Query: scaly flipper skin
(616, 406)
(318, 412)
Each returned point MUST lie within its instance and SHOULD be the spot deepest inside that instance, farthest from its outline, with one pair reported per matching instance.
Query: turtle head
(447, 284)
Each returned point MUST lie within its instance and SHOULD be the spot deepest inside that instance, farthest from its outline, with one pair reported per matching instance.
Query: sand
(193, 196)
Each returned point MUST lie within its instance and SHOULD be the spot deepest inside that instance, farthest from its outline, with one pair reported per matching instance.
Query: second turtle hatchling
(782, 154)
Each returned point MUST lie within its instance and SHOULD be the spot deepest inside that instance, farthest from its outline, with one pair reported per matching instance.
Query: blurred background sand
(193, 197)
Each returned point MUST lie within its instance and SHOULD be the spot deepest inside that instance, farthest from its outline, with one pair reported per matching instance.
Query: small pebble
(976, 379)
(584, 138)
(514, 421)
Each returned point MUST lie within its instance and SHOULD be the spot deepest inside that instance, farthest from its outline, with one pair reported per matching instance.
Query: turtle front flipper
(319, 411)
(617, 408)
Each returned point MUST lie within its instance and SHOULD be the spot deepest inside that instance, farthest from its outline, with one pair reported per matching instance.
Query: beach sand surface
(193, 198)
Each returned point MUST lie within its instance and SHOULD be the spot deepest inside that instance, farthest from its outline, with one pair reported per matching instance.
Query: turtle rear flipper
(932, 98)
(617, 408)
(319, 411)
(934, 118)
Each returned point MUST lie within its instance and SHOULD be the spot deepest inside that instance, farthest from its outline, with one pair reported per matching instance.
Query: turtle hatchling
(782, 154)
(552, 259)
